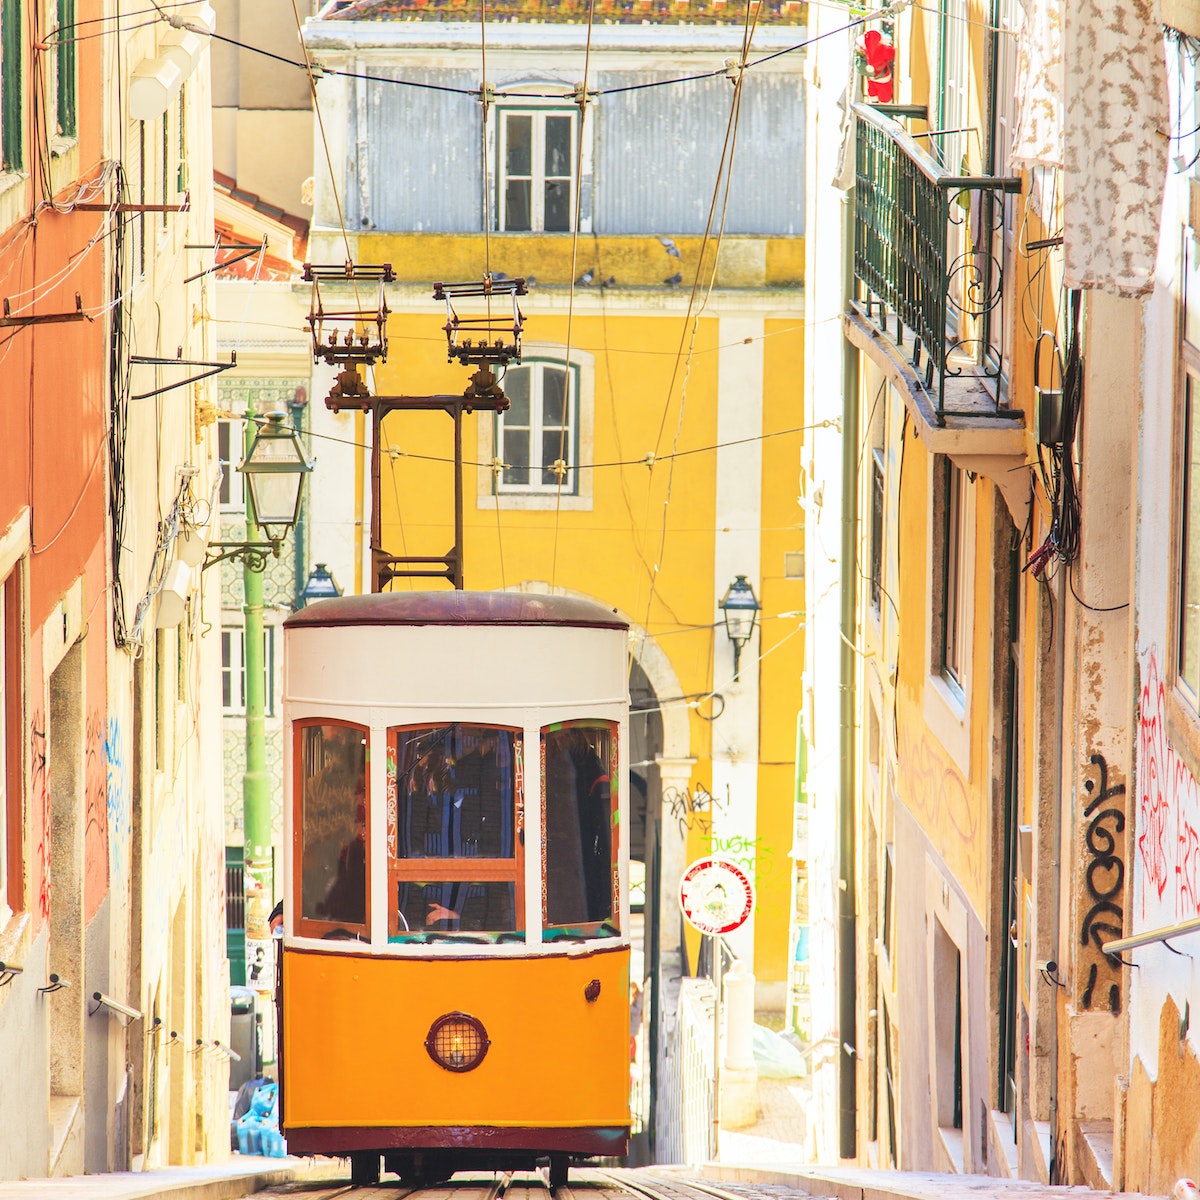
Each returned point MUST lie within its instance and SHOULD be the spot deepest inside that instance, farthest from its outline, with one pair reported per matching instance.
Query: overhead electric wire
(392, 452)
(568, 398)
(319, 71)
(724, 172)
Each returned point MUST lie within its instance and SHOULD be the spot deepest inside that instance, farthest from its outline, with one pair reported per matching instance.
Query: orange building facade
(100, 692)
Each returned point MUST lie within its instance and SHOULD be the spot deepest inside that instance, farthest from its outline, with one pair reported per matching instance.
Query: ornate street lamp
(740, 608)
(274, 470)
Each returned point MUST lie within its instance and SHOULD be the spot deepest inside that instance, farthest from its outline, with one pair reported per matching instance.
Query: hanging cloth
(1038, 127)
(1114, 148)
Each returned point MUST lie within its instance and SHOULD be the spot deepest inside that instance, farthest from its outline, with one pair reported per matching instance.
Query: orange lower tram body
(448, 1063)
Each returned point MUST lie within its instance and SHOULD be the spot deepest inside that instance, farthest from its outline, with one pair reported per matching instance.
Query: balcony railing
(928, 251)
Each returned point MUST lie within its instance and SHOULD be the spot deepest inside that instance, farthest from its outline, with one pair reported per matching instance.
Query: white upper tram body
(422, 676)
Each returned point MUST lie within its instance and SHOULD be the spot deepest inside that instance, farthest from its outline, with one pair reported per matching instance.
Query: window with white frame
(535, 175)
(951, 106)
(233, 670)
(229, 450)
(537, 438)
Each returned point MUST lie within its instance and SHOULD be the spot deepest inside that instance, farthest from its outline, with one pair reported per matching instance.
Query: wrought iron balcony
(929, 260)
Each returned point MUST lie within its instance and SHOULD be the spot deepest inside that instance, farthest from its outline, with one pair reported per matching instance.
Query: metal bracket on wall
(214, 368)
(44, 318)
(249, 249)
(55, 984)
(9, 972)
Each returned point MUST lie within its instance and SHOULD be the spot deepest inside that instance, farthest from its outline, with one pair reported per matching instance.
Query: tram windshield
(455, 832)
(579, 819)
(332, 822)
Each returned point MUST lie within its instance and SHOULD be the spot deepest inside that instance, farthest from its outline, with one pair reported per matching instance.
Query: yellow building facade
(1014, 375)
(649, 454)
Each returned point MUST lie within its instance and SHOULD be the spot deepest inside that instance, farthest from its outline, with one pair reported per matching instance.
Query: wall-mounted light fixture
(320, 585)
(740, 608)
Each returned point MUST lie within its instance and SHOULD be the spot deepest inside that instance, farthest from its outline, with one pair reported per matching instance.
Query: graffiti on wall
(934, 792)
(95, 848)
(39, 801)
(687, 805)
(1168, 814)
(753, 855)
(117, 799)
(1104, 878)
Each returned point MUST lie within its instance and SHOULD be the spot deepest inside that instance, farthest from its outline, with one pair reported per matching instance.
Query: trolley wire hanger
(44, 318)
(213, 368)
(342, 338)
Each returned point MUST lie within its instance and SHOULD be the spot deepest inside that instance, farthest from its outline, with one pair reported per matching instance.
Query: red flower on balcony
(876, 55)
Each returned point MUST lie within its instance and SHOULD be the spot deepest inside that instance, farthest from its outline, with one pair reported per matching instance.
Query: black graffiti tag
(1105, 877)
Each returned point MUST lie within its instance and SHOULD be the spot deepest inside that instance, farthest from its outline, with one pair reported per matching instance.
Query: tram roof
(457, 608)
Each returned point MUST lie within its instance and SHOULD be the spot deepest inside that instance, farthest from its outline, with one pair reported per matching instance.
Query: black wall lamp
(320, 585)
(740, 608)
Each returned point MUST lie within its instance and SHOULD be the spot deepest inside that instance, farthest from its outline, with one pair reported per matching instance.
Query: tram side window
(334, 850)
(455, 831)
(578, 819)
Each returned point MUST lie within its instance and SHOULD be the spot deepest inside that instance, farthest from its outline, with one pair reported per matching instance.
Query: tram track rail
(585, 1183)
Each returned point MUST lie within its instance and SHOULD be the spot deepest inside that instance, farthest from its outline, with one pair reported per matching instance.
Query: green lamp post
(274, 470)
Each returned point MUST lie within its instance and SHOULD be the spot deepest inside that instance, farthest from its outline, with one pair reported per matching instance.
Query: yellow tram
(453, 984)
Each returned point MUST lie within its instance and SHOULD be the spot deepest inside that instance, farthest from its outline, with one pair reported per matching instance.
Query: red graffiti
(935, 792)
(95, 852)
(1168, 813)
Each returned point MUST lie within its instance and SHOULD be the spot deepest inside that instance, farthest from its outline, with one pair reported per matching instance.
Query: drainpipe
(847, 941)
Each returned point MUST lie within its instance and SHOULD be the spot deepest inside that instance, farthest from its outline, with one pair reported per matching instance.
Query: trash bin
(245, 1036)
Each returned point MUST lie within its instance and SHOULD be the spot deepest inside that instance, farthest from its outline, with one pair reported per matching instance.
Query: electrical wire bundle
(119, 369)
(1060, 476)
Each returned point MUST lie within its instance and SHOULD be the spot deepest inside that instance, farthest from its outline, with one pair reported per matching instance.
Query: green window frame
(12, 87)
(67, 83)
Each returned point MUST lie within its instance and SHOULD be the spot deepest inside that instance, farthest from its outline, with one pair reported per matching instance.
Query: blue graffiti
(120, 808)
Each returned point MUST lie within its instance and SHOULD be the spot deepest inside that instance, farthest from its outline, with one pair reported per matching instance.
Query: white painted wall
(1164, 805)
(738, 520)
(827, 76)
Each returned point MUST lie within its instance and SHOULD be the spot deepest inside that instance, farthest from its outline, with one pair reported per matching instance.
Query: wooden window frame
(537, 178)
(235, 668)
(537, 368)
(462, 869)
(66, 72)
(586, 928)
(313, 926)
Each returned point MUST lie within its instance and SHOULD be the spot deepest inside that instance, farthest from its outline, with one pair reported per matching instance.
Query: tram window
(332, 826)
(578, 819)
(455, 790)
(456, 907)
(455, 832)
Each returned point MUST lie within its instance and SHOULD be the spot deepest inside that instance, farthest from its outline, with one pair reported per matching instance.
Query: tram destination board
(716, 896)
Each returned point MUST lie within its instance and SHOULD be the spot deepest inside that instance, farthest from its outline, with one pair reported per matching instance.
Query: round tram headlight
(457, 1042)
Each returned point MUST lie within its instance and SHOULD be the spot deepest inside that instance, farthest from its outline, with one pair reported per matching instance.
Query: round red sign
(716, 896)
